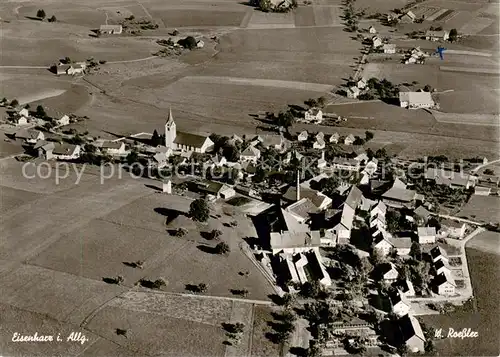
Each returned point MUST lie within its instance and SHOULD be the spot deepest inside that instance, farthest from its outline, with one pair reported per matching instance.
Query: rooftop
(189, 139)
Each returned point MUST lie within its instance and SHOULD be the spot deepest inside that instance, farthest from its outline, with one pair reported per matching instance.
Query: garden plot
(268, 20)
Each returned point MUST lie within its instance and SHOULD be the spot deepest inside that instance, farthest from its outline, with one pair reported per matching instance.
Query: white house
(389, 48)
(182, 141)
(438, 253)
(45, 149)
(321, 161)
(372, 29)
(399, 303)
(412, 333)
(334, 138)
(66, 151)
(200, 44)
(20, 120)
(389, 272)
(408, 17)
(303, 136)
(437, 35)
(416, 100)
(349, 139)
(376, 41)
(444, 285)
(452, 229)
(113, 148)
(315, 114)
(218, 161)
(426, 235)
(111, 29)
(353, 92)
(319, 143)
(250, 154)
(442, 267)
(24, 113)
(64, 120)
(361, 83)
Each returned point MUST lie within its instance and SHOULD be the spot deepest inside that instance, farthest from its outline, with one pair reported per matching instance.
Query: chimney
(298, 186)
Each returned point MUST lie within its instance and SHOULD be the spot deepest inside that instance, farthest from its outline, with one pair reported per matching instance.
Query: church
(181, 141)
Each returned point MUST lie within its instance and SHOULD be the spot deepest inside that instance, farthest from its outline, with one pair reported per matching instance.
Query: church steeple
(170, 131)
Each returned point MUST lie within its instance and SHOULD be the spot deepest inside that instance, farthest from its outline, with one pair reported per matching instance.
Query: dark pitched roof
(400, 194)
(189, 139)
(64, 149)
(438, 251)
(410, 327)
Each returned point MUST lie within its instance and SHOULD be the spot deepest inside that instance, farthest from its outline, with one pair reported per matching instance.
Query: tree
(155, 139)
(393, 219)
(434, 222)
(202, 288)
(188, 42)
(199, 211)
(311, 102)
(321, 102)
(453, 35)
(403, 350)
(222, 248)
(376, 257)
(427, 88)
(287, 300)
(40, 112)
(40, 14)
(265, 5)
(368, 135)
(14, 103)
(416, 251)
(52, 18)
(27, 106)
(132, 157)
(489, 172)
(285, 119)
(214, 234)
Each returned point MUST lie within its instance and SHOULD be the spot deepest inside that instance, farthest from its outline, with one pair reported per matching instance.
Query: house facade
(315, 114)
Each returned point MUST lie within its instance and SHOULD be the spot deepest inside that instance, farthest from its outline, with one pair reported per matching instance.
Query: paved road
(24, 67)
(458, 219)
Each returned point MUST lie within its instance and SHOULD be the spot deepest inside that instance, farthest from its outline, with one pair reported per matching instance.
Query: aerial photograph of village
(257, 178)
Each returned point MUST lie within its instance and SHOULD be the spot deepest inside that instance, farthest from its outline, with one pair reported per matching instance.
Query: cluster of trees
(351, 15)
(453, 36)
(90, 156)
(382, 89)
(42, 15)
(311, 102)
(268, 6)
(222, 145)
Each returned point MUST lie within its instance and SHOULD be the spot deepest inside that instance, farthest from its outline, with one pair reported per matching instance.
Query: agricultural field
(482, 208)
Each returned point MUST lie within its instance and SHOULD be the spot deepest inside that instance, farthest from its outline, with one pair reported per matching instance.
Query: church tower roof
(170, 116)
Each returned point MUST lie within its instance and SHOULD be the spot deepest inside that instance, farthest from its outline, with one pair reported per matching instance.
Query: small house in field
(353, 92)
(376, 42)
(110, 29)
(66, 151)
(437, 35)
(361, 83)
(389, 48)
(200, 44)
(372, 29)
(64, 120)
(215, 189)
(415, 100)
(313, 114)
(438, 253)
(408, 18)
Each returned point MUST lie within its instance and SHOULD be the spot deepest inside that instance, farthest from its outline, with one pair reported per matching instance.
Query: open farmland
(482, 208)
